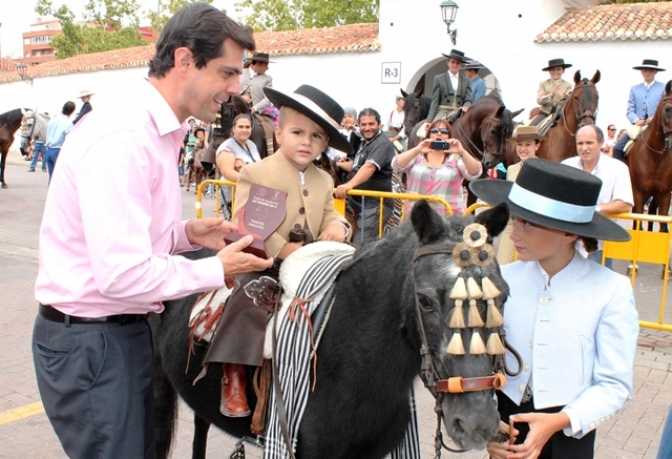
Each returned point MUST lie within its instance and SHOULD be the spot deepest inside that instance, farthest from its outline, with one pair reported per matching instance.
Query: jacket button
(305, 192)
(543, 300)
(526, 367)
(521, 388)
(302, 210)
(297, 227)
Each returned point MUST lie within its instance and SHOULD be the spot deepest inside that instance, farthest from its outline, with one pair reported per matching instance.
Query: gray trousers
(95, 381)
(368, 220)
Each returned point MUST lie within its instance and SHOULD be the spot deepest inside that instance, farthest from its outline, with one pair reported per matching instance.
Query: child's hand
(334, 232)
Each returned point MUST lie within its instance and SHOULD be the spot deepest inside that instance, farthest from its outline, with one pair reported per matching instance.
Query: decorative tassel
(477, 346)
(455, 346)
(494, 346)
(475, 320)
(490, 290)
(475, 292)
(457, 315)
(459, 291)
(494, 317)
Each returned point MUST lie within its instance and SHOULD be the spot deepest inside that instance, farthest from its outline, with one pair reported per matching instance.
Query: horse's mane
(506, 124)
(11, 117)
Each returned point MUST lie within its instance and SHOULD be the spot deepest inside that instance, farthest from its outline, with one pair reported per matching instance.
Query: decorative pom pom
(473, 288)
(455, 346)
(494, 346)
(490, 290)
(494, 317)
(459, 291)
(457, 316)
(477, 346)
(462, 254)
(475, 235)
(482, 256)
(475, 320)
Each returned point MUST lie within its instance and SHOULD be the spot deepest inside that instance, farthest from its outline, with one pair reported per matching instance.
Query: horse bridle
(454, 385)
(464, 135)
(666, 134)
(577, 115)
(32, 128)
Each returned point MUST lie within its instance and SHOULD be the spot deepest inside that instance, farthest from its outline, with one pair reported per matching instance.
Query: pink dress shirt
(112, 220)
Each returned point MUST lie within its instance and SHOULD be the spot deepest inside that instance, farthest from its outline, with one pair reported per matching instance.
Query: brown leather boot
(234, 395)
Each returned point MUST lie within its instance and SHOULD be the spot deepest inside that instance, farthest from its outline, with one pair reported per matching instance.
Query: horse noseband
(459, 385)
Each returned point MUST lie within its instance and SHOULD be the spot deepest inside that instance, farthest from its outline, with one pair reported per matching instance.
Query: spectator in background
(609, 141)
(57, 129)
(38, 151)
(621, 133)
(478, 88)
(85, 95)
(394, 125)
(350, 130)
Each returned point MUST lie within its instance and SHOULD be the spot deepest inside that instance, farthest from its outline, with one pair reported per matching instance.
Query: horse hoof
(4, 185)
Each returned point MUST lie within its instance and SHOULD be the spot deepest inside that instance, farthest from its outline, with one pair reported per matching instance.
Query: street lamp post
(449, 12)
(22, 70)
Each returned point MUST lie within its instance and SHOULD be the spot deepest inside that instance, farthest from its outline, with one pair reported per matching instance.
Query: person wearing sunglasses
(609, 141)
(438, 171)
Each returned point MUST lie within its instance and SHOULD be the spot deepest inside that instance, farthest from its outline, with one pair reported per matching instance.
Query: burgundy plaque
(262, 214)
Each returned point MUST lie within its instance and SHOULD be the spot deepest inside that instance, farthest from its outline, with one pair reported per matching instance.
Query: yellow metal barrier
(218, 184)
(477, 205)
(644, 247)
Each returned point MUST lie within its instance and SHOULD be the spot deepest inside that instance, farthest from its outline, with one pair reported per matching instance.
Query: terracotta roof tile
(354, 38)
(7, 65)
(628, 21)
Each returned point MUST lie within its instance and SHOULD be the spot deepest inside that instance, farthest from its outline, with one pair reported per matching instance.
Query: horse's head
(28, 127)
(664, 114)
(495, 126)
(416, 107)
(583, 99)
(459, 302)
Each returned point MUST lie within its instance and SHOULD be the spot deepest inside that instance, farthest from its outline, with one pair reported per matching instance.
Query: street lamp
(22, 70)
(449, 11)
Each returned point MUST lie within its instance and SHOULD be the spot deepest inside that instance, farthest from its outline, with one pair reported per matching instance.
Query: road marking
(21, 412)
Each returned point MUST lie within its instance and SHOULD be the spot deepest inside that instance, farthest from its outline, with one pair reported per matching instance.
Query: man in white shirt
(616, 193)
(609, 141)
(394, 127)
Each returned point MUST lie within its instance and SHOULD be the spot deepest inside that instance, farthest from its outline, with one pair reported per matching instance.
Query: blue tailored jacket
(577, 338)
(642, 102)
(477, 88)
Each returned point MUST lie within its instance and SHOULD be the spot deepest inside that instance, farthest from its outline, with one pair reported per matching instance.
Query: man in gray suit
(253, 81)
(452, 90)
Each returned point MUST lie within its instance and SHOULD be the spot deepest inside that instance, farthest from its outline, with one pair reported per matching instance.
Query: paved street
(25, 431)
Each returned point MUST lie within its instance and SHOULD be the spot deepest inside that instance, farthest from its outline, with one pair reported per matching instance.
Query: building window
(40, 40)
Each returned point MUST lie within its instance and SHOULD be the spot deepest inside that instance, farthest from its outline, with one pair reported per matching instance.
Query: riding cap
(473, 65)
(526, 133)
(554, 196)
(649, 64)
(556, 63)
(261, 57)
(317, 106)
(455, 54)
(84, 93)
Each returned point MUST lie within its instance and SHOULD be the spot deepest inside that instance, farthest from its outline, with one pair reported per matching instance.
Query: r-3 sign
(391, 73)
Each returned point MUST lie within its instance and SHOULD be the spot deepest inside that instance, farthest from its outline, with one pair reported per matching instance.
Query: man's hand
(499, 450)
(542, 427)
(465, 108)
(334, 232)
(344, 164)
(235, 261)
(209, 232)
(640, 122)
(341, 190)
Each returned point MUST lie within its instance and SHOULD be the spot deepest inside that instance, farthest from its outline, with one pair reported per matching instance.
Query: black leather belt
(55, 315)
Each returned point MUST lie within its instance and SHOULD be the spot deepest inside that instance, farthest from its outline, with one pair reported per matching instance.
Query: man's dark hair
(201, 28)
(68, 108)
(369, 112)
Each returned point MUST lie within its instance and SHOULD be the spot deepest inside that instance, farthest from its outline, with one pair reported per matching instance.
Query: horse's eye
(425, 302)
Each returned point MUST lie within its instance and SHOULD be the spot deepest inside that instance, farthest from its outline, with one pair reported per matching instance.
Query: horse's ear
(494, 219)
(668, 87)
(517, 112)
(596, 78)
(500, 110)
(577, 77)
(403, 93)
(428, 225)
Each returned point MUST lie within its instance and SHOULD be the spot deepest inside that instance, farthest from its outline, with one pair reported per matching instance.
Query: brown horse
(650, 160)
(10, 122)
(580, 109)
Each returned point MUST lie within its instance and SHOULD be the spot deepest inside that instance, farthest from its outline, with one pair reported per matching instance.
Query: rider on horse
(553, 91)
(451, 90)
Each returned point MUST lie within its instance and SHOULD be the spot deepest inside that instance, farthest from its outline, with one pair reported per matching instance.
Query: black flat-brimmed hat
(317, 106)
(554, 196)
(525, 133)
(261, 57)
(556, 63)
(455, 54)
(473, 65)
(649, 64)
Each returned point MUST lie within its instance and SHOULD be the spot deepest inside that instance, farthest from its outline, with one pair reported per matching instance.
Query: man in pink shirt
(111, 233)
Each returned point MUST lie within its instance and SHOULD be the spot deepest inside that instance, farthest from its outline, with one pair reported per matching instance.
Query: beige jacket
(254, 87)
(544, 99)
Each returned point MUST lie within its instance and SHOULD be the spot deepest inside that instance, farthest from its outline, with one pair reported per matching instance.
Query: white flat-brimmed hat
(84, 93)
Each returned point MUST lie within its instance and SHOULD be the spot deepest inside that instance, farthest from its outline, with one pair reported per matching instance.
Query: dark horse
(10, 122)
(580, 109)
(416, 109)
(650, 160)
(393, 294)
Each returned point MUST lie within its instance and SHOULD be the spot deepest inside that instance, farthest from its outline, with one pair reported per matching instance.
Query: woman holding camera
(437, 167)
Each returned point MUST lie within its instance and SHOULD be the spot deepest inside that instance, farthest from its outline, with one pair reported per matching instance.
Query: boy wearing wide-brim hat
(551, 92)
(642, 102)
(573, 321)
(254, 79)
(451, 90)
(309, 122)
(85, 95)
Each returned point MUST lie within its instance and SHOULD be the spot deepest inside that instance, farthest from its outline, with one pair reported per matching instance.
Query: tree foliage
(274, 15)
(168, 8)
(106, 25)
